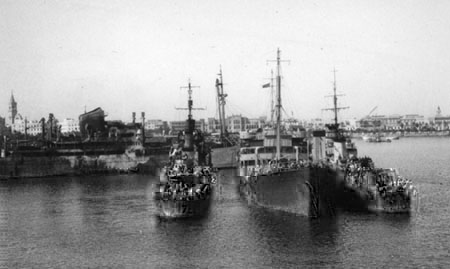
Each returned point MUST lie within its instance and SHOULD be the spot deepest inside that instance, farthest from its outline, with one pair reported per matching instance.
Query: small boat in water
(377, 138)
(378, 189)
(186, 183)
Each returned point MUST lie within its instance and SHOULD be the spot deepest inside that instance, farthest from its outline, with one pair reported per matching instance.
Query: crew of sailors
(385, 182)
(184, 191)
(184, 182)
(181, 169)
(176, 153)
(274, 166)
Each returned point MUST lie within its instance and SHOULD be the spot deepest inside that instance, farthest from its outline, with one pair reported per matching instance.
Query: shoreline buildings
(16, 123)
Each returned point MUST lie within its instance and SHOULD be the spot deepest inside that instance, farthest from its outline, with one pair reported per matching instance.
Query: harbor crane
(370, 113)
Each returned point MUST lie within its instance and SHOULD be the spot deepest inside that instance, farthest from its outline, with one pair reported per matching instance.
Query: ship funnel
(189, 135)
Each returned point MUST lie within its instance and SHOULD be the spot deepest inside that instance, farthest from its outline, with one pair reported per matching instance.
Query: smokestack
(133, 115)
(143, 127)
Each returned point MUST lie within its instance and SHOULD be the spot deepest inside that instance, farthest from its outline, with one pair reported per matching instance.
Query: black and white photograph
(224, 134)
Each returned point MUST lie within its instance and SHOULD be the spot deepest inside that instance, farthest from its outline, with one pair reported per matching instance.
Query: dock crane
(370, 113)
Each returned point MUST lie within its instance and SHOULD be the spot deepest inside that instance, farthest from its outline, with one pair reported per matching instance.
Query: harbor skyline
(65, 57)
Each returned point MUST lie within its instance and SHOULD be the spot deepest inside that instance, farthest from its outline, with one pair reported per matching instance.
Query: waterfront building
(154, 124)
(212, 125)
(177, 126)
(23, 125)
(18, 124)
(349, 124)
(370, 122)
(34, 127)
(156, 127)
(292, 124)
(412, 120)
(391, 122)
(2, 126)
(251, 124)
(69, 125)
(440, 121)
(236, 123)
(314, 124)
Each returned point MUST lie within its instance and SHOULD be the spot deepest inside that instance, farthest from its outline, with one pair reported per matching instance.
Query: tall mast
(190, 102)
(335, 107)
(272, 108)
(191, 122)
(221, 104)
(335, 98)
(278, 105)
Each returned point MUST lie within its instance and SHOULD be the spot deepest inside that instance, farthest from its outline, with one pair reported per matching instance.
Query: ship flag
(267, 85)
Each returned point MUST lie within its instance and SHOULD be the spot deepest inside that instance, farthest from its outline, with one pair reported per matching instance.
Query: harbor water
(109, 222)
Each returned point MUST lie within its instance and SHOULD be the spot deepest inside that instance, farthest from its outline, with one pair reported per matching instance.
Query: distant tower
(12, 112)
(438, 112)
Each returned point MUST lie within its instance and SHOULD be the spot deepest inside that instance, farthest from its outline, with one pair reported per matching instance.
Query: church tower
(12, 112)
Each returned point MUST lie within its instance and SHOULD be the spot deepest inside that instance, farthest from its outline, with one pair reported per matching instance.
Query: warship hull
(308, 191)
(169, 208)
(363, 200)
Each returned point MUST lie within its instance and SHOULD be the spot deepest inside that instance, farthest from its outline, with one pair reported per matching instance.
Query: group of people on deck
(185, 191)
(361, 173)
(274, 166)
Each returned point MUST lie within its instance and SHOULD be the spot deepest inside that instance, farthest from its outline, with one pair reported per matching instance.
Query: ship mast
(191, 122)
(278, 105)
(272, 109)
(190, 102)
(335, 107)
(221, 105)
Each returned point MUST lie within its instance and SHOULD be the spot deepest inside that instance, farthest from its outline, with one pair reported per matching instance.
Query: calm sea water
(109, 222)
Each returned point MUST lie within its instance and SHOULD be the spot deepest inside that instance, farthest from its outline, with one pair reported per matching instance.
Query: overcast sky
(125, 56)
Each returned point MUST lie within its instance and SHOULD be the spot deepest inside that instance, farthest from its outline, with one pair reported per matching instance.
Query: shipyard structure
(100, 146)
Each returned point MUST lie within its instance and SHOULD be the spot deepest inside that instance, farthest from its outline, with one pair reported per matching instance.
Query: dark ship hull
(184, 195)
(308, 191)
(367, 188)
(93, 160)
(395, 202)
(170, 208)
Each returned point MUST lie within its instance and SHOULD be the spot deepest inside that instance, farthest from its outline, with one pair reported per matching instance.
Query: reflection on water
(110, 222)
